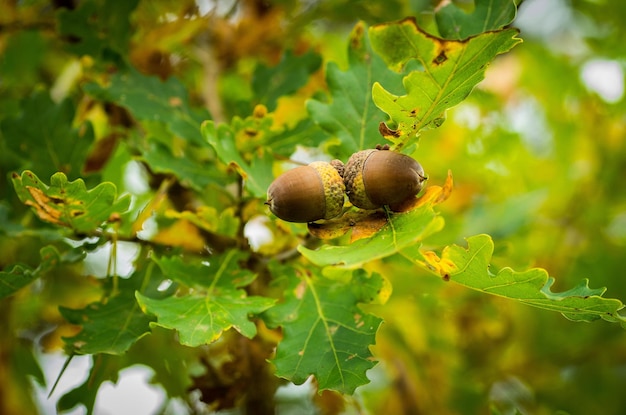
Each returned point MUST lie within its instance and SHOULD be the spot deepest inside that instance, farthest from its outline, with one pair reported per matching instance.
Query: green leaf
(257, 174)
(219, 272)
(69, 204)
(201, 317)
(172, 369)
(305, 133)
(470, 267)
(22, 58)
(96, 26)
(194, 173)
(291, 73)
(107, 327)
(325, 333)
(42, 137)
(207, 218)
(150, 99)
(455, 23)
(25, 362)
(351, 117)
(19, 276)
(105, 368)
(449, 71)
(402, 230)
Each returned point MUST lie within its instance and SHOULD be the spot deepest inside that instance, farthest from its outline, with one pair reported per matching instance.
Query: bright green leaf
(449, 71)
(201, 319)
(470, 267)
(217, 305)
(325, 333)
(69, 204)
(404, 229)
(454, 23)
(351, 117)
(257, 174)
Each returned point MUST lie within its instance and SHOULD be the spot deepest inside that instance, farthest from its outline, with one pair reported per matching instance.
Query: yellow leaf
(182, 233)
(443, 267)
(43, 206)
(433, 195)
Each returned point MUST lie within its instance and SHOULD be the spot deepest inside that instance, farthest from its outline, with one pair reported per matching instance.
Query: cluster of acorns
(371, 179)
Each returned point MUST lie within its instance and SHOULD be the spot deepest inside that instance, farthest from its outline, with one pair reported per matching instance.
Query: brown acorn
(308, 193)
(377, 178)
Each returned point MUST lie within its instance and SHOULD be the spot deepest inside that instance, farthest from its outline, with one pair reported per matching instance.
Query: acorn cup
(308, 193)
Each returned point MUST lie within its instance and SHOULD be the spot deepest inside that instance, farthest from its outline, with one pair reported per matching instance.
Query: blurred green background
(538, 154)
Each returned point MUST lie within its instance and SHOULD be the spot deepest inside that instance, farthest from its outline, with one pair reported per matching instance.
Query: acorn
(308, 193)
(380, 177)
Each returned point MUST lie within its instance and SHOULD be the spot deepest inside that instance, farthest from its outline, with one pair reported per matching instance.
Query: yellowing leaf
(69, 204)
(447, 71)
(470, 267)
(181, 233)
(207, 218)
(362, 223)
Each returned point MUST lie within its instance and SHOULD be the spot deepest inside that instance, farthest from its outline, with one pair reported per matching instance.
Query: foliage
(138, 140)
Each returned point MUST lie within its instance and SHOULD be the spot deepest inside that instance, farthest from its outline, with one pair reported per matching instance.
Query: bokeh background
(538, 154)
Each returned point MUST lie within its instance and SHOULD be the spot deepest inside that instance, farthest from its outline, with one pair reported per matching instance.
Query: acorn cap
(334, 187)
(353, 179)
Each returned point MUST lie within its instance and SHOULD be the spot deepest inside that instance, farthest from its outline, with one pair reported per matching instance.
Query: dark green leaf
(22, 57)
(26, 363)
(97, 25)
(306, 133)
(43, 139)
(105, 368)
(19, 276)
(150, 99)
(325, 333)
(109, 327)
(291, 73)
(218, 272)
(351, 117)
(455, 23)
(197, 174)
